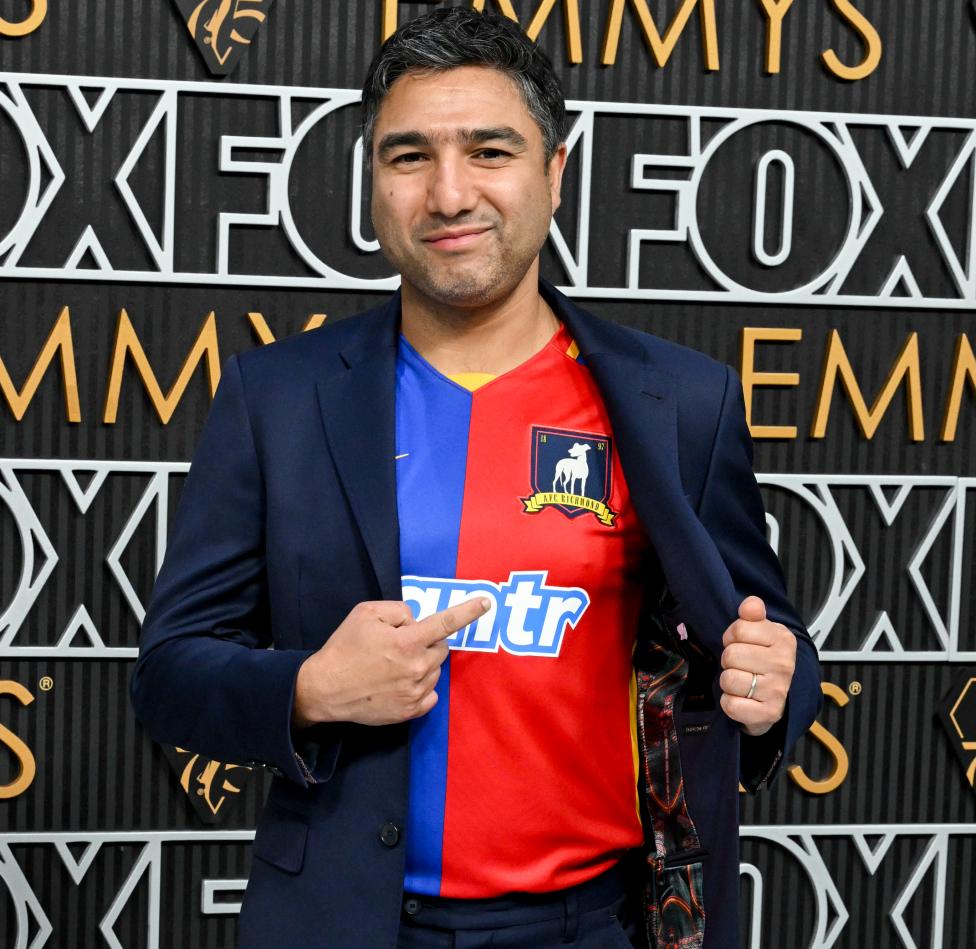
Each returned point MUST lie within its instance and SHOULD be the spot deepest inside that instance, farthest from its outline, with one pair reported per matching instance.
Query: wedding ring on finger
(752, 688)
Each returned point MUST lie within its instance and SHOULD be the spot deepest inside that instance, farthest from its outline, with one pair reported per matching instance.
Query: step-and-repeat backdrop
(788, 186)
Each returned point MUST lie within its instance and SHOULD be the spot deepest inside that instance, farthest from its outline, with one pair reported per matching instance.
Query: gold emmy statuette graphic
(221, 28)
(959, 717)
(211, 786)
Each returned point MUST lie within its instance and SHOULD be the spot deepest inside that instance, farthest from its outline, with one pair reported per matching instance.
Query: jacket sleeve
(732, 511)
(205, 678)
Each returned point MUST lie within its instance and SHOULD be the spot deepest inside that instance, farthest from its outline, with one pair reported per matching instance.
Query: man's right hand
(380, 666)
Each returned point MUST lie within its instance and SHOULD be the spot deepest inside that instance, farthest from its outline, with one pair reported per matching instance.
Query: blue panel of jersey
(433, 417)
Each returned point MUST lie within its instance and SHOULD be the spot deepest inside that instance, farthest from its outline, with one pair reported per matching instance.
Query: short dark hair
(459, 36)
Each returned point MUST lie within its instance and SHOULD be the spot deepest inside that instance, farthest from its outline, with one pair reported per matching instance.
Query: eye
(492, 154)
(408, 158)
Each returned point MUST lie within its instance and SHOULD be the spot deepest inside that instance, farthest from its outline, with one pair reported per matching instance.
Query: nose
(451, 189)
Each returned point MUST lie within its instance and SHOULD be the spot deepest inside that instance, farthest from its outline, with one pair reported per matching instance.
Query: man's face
(462, 194)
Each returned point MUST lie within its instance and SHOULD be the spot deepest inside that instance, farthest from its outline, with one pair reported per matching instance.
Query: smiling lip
(453, 240)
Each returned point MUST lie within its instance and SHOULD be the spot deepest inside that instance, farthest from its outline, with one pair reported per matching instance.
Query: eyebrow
(500, 133)
(402, 140)
(477, 136)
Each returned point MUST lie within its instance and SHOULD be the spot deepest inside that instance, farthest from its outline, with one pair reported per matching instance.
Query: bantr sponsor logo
(527, 618)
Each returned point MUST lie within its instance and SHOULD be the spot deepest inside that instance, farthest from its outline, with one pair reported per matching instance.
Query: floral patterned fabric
(673, 909)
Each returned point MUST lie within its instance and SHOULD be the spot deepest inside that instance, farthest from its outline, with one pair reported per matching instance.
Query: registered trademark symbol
(46, 683)
(854, 688)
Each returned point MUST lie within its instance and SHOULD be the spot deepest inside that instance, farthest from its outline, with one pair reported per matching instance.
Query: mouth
(455, 238)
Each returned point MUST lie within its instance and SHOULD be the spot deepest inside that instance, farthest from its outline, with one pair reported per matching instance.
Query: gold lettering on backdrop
(571, 20)
(774, 13)
(388, 19)
(775, 10)
(23, 754)
(127, 342)
(963, 371)
(38, 11)
(751, 378)
(961, 377)
(263, 332)
(834, 747)
(58, 341)
(504, 7)
(906, 368)
(661, 48)
(869, 36)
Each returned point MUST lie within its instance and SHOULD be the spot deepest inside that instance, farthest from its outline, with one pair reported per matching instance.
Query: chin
(455, 289)
(469, 290)
(465, 295)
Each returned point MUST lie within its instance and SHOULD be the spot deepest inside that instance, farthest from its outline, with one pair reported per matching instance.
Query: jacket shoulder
(596, 333)
(688, 366)
(316, 350)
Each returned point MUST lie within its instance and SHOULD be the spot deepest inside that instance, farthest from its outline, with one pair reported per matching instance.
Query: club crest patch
(571, 471)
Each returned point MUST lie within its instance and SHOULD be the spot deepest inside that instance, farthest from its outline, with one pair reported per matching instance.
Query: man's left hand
(757, 662)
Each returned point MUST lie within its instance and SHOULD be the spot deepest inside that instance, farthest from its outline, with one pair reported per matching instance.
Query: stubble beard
(466, 284)
(470, 283)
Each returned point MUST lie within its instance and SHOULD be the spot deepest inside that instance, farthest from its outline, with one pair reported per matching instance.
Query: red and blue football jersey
(523, 777)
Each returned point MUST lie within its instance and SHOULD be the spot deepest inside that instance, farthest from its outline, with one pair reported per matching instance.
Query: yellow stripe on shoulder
(573, 350)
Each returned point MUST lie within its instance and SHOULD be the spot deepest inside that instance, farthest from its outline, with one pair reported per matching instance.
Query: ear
(554, 172)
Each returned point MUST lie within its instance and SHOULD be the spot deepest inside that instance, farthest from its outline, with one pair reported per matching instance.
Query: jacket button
(389, 834)
(411, 907)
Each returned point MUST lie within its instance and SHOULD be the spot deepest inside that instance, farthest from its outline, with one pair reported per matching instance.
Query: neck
(492, 338)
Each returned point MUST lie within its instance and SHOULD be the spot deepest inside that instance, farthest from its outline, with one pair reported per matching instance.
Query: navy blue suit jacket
(288, 519)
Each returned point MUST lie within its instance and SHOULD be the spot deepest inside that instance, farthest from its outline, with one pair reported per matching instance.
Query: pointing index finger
(439, 626)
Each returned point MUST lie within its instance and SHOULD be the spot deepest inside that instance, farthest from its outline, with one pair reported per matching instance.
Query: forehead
(461, 98)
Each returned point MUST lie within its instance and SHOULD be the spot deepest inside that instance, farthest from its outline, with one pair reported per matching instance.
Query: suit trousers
(597, 914)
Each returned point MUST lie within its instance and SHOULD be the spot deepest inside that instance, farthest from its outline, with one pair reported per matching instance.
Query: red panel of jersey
(523, 777)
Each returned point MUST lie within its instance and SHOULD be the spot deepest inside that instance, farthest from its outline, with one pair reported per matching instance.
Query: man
(512, 562)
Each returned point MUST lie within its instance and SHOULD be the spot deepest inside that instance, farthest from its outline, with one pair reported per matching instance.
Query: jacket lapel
(642, 404)
(357, 404)
(640, 401)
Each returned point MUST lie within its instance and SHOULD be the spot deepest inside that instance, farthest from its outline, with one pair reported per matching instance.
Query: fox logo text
(527, 618)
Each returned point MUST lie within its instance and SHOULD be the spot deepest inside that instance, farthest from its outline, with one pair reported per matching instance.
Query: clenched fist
(380, 665)
(758, 662)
